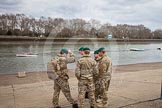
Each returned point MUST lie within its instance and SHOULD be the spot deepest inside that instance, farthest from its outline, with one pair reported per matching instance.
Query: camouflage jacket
(96, 73)
(85, 68)
(105, 67)
(57, 67)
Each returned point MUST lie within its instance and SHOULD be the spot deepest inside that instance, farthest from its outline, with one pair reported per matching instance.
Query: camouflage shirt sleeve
(95, 68)
(71, 59)
(110, 67)
(105, 67)
(77, 70)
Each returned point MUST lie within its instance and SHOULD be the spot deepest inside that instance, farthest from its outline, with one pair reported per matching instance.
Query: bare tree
(21, 24)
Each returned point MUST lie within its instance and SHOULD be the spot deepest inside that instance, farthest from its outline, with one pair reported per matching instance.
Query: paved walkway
(127, 90)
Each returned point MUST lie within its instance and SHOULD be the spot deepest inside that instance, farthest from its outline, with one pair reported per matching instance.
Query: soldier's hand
(69, 51)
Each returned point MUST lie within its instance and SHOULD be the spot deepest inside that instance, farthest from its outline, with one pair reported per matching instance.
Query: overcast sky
(146, 12)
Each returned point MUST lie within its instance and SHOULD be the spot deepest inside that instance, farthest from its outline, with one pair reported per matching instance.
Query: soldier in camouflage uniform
(59, 73)
(104, 77)
(81, 52)
(84, 73)
(97, 86)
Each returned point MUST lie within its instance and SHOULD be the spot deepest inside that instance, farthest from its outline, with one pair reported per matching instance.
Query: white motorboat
(27, 55)
(159, 48)
(136, 49)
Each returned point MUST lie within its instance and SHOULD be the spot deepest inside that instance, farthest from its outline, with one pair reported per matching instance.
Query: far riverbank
(52, 40)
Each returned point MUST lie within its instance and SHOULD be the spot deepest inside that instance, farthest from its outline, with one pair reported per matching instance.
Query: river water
(118, 52)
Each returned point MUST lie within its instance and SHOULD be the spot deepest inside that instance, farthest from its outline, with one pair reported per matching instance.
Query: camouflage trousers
(101, 91)
(61, 85)
(97, 88)
(83, 85)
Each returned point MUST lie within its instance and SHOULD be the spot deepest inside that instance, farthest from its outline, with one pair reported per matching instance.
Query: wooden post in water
(21, 74)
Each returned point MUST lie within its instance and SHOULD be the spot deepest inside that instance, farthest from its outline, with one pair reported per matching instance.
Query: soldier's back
(86, 62)
(87, 65)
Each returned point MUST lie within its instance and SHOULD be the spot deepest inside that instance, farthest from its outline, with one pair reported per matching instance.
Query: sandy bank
(32, 77)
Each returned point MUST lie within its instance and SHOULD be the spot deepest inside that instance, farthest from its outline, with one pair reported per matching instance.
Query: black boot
(92, 106)
(86, 95)
(75, 105)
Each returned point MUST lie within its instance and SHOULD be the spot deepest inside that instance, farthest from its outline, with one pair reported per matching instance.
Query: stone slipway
(140, 89)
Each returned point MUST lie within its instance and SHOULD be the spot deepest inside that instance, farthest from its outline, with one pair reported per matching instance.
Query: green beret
(101, 49)
(86, 48)
(96, 52)
(64, 51)
(81, 48)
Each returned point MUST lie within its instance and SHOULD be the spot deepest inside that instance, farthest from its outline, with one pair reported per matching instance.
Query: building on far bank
(109, 36)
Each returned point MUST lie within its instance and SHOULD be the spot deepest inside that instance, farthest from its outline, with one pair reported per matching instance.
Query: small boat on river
(27, 55)
(159, 48)
(136, 49)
